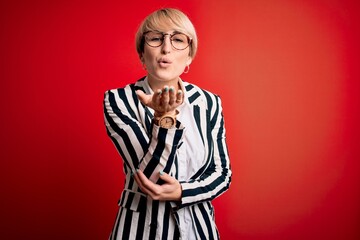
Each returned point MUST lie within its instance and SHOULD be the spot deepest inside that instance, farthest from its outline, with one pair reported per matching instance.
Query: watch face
(166, 122)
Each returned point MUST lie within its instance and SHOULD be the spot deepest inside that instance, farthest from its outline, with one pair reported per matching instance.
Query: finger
(179, 97)
(137, 180)
(145, 99)
(166, 177)
(165, 96)
(141, 185)
(156, 97)
(146, 183)
(172, 95)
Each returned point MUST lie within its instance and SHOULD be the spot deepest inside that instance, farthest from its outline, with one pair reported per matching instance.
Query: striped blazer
(145, 146)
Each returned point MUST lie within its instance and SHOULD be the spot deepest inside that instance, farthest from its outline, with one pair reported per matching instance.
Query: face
(165, 63)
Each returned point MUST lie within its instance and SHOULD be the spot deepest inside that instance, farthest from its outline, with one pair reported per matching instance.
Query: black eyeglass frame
(171, 41)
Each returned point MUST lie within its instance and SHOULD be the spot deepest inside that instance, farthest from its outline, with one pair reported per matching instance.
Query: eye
(179, 38)
(154, 38)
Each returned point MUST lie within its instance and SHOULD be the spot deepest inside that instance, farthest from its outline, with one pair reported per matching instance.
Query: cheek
(185, 60)
(149, 55)
(147, 58)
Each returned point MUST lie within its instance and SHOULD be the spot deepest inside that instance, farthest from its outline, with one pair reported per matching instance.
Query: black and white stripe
(150, 148)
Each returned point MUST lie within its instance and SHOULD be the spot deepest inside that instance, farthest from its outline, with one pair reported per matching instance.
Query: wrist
(160, 114)
(165, 120)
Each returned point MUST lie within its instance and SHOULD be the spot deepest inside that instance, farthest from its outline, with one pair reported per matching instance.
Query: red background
(288, 74)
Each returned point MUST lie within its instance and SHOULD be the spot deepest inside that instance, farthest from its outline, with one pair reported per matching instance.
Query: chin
(166, 77)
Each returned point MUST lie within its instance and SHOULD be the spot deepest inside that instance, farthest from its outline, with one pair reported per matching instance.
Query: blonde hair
(161, 20)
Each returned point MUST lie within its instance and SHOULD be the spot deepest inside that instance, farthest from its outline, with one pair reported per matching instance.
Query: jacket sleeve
(151, 150)
(216, 179)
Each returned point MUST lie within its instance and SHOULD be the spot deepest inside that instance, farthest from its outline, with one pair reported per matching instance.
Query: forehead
(170, 32)
(165, 25)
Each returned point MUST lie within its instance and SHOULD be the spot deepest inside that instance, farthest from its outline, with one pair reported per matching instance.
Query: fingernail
(136, 171)
(171, 89)
(159, 92)
(166, 89)
(161, 173)
(179, 92)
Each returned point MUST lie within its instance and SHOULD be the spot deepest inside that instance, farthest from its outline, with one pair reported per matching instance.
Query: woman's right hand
(163, 101)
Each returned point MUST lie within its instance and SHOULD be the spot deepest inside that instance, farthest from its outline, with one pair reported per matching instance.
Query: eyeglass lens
(179, 41)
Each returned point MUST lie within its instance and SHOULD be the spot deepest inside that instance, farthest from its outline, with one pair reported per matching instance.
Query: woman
(171, 137)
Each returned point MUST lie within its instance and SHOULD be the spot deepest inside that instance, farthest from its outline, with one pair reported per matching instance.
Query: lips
(164, 62)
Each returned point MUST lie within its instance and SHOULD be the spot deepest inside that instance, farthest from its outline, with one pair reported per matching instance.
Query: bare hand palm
(163, 100)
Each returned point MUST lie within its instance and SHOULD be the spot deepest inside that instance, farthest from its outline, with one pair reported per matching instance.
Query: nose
(166, 46)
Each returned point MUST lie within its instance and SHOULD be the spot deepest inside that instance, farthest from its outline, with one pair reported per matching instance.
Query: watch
(166, 121)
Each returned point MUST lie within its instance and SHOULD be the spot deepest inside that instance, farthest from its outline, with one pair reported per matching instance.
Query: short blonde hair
(161, 20)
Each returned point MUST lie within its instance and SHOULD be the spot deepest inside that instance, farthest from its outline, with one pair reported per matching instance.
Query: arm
(210, 184)
(217, 177)
(151, 151)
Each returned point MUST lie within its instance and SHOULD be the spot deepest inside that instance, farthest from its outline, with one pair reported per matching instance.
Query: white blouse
(190, 158)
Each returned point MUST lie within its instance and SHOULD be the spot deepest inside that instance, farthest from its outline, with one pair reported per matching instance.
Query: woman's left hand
(168, 191)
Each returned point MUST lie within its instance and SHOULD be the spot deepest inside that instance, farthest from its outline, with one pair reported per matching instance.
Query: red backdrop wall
(287, 72)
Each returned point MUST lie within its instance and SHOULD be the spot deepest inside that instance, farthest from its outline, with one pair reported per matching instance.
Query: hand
(163, 100)
(169, 191)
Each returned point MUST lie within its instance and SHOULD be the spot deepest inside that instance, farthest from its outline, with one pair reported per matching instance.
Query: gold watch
(166, 121)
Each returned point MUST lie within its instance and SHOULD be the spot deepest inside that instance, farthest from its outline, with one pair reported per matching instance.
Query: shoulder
(128, 91)
(195, 92)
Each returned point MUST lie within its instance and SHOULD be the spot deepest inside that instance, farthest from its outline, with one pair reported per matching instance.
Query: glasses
(179, 41)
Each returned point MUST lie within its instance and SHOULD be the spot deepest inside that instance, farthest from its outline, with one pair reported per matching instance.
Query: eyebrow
(174, 32)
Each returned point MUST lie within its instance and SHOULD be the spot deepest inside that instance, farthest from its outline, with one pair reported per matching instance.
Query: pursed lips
(164, 62)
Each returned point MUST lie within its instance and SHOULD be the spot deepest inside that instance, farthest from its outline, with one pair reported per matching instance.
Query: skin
(169, 191)
(164, 65)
